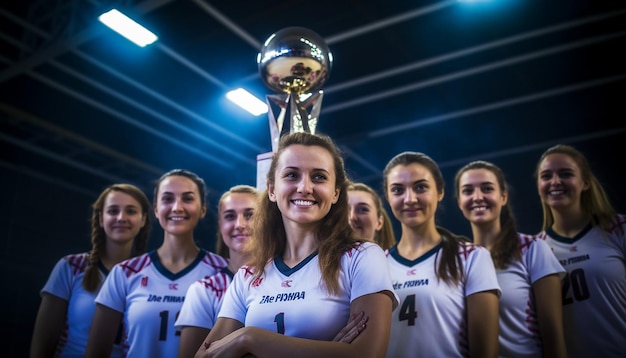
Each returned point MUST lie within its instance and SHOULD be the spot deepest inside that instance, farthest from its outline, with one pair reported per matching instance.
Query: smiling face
(121, 217)
(364, 217)
(480, 197)
(179, 206)
(412, 194)
(305, 184)
(235, 217)
(559, 182)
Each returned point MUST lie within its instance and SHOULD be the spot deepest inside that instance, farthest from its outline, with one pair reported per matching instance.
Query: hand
(228, 347)
(355, 326)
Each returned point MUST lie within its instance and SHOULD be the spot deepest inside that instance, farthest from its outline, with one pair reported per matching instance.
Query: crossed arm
(229, 338)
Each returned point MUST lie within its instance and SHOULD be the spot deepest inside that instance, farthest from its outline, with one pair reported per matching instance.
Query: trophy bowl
(294, 60)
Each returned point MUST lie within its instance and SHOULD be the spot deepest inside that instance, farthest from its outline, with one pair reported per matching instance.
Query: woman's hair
(506, 247)
(385, 237)
(594, 201)
(91, 280)
(187, 174)
(334, 235)
(221, 248)
(450, 265)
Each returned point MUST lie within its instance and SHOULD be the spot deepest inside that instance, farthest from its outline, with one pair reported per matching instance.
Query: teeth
(556, 192)
(303, 202)
(177, 218)
(479, 208)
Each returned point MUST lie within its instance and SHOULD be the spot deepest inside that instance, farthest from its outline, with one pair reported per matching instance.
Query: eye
(132, 211)
(248, 215)
(167, 199)
(420, 188)
(319, 177)
(396, 190)
(291, 175)
(363, 210)
(488, 189)
(229, 217)
(113, 211)
(467, 191)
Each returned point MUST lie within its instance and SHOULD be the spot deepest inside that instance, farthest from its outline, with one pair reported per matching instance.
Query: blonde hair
(221, 248)
(385, 237)
(594, 201)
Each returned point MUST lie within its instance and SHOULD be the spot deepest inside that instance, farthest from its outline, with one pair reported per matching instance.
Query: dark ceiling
(498, 80)
(81, 107)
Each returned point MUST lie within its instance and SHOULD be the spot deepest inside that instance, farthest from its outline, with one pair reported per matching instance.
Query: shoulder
(134, 265)
(218, 281)
(76, 262)
(214, 260)
(617, 225)
(527, 241)
(364, 249)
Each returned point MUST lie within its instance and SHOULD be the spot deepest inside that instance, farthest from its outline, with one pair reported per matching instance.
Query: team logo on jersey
(173, 286)
(257, 282)
(574, 248)
(144, 281)
(286, 283)
(411, 272)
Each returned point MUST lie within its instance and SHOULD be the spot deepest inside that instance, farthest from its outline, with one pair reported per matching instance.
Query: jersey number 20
(577, 282)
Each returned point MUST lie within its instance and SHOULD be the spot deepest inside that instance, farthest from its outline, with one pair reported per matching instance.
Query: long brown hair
(594, 201)
(385, 237)
(506, 247)
(221, 248)
(450, 268)
(334, 235)
(91, 280)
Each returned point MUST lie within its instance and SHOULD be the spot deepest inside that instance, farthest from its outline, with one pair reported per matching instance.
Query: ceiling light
(127, 27)
(247, 101)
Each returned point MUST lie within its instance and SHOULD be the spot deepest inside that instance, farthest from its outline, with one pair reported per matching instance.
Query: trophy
(295, 62)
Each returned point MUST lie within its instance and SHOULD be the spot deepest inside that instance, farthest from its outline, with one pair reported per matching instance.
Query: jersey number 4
(575, 282)
(407, 311)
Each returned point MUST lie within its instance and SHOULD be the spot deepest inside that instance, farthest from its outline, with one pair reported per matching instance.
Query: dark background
(81, 107)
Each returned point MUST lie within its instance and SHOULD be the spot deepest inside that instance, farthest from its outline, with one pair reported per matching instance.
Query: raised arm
(482, 324)
(48, 326)
(547, 292)
(106, 322)
(371, 342)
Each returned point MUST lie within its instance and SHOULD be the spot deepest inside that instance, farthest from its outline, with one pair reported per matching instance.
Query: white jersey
(203, 301)
(594, 290)
(519, 327)
(294, 301)
(431, 319)
(150, 297)
(66, 282)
